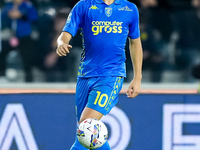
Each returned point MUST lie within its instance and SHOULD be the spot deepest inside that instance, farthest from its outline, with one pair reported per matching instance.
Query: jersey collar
(118, 2)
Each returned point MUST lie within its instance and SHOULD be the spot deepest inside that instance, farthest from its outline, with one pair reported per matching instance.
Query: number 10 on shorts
(99, 99)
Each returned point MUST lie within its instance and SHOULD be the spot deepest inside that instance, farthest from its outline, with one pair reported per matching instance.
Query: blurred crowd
(170, 34)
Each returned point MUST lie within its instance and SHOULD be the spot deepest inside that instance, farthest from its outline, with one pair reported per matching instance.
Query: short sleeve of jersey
(134, 31)
(74, 19)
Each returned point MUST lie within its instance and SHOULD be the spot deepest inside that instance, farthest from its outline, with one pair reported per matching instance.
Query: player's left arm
(137, 58)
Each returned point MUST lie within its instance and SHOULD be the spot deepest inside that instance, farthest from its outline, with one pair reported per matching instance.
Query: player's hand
(63, 49)
(134, 88)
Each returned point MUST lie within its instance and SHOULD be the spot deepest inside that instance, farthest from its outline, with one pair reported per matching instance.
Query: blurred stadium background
(37, 101)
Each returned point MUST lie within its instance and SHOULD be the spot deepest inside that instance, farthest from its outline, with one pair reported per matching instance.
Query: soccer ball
(92, 133)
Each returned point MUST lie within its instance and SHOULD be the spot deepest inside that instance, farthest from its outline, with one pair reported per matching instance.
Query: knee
(82, 119)
(90, 113)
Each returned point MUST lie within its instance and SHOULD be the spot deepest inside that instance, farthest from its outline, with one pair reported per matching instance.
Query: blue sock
(105, 146)
(78, 146)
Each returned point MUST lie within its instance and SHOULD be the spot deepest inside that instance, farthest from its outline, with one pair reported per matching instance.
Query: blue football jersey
(105, 29)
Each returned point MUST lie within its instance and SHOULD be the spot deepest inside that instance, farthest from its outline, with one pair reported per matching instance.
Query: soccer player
(105, 26)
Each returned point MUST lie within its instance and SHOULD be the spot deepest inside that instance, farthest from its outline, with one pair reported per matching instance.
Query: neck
(109, 2)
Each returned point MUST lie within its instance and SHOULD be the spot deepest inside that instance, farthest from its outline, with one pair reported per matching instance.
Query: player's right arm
(71, 27)
(63, 44)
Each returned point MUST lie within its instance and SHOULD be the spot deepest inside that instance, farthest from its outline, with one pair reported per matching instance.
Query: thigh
(81, 98)
(104, 94)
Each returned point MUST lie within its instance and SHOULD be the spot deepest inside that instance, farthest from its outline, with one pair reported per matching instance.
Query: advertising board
(148, 122)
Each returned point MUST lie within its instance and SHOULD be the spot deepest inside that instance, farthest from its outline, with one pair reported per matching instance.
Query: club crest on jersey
(108, 11)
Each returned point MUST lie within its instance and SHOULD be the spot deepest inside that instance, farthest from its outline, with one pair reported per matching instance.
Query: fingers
(62, 50)
(60, 53)
(69, 46)
(134, 94)
(131, 93)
